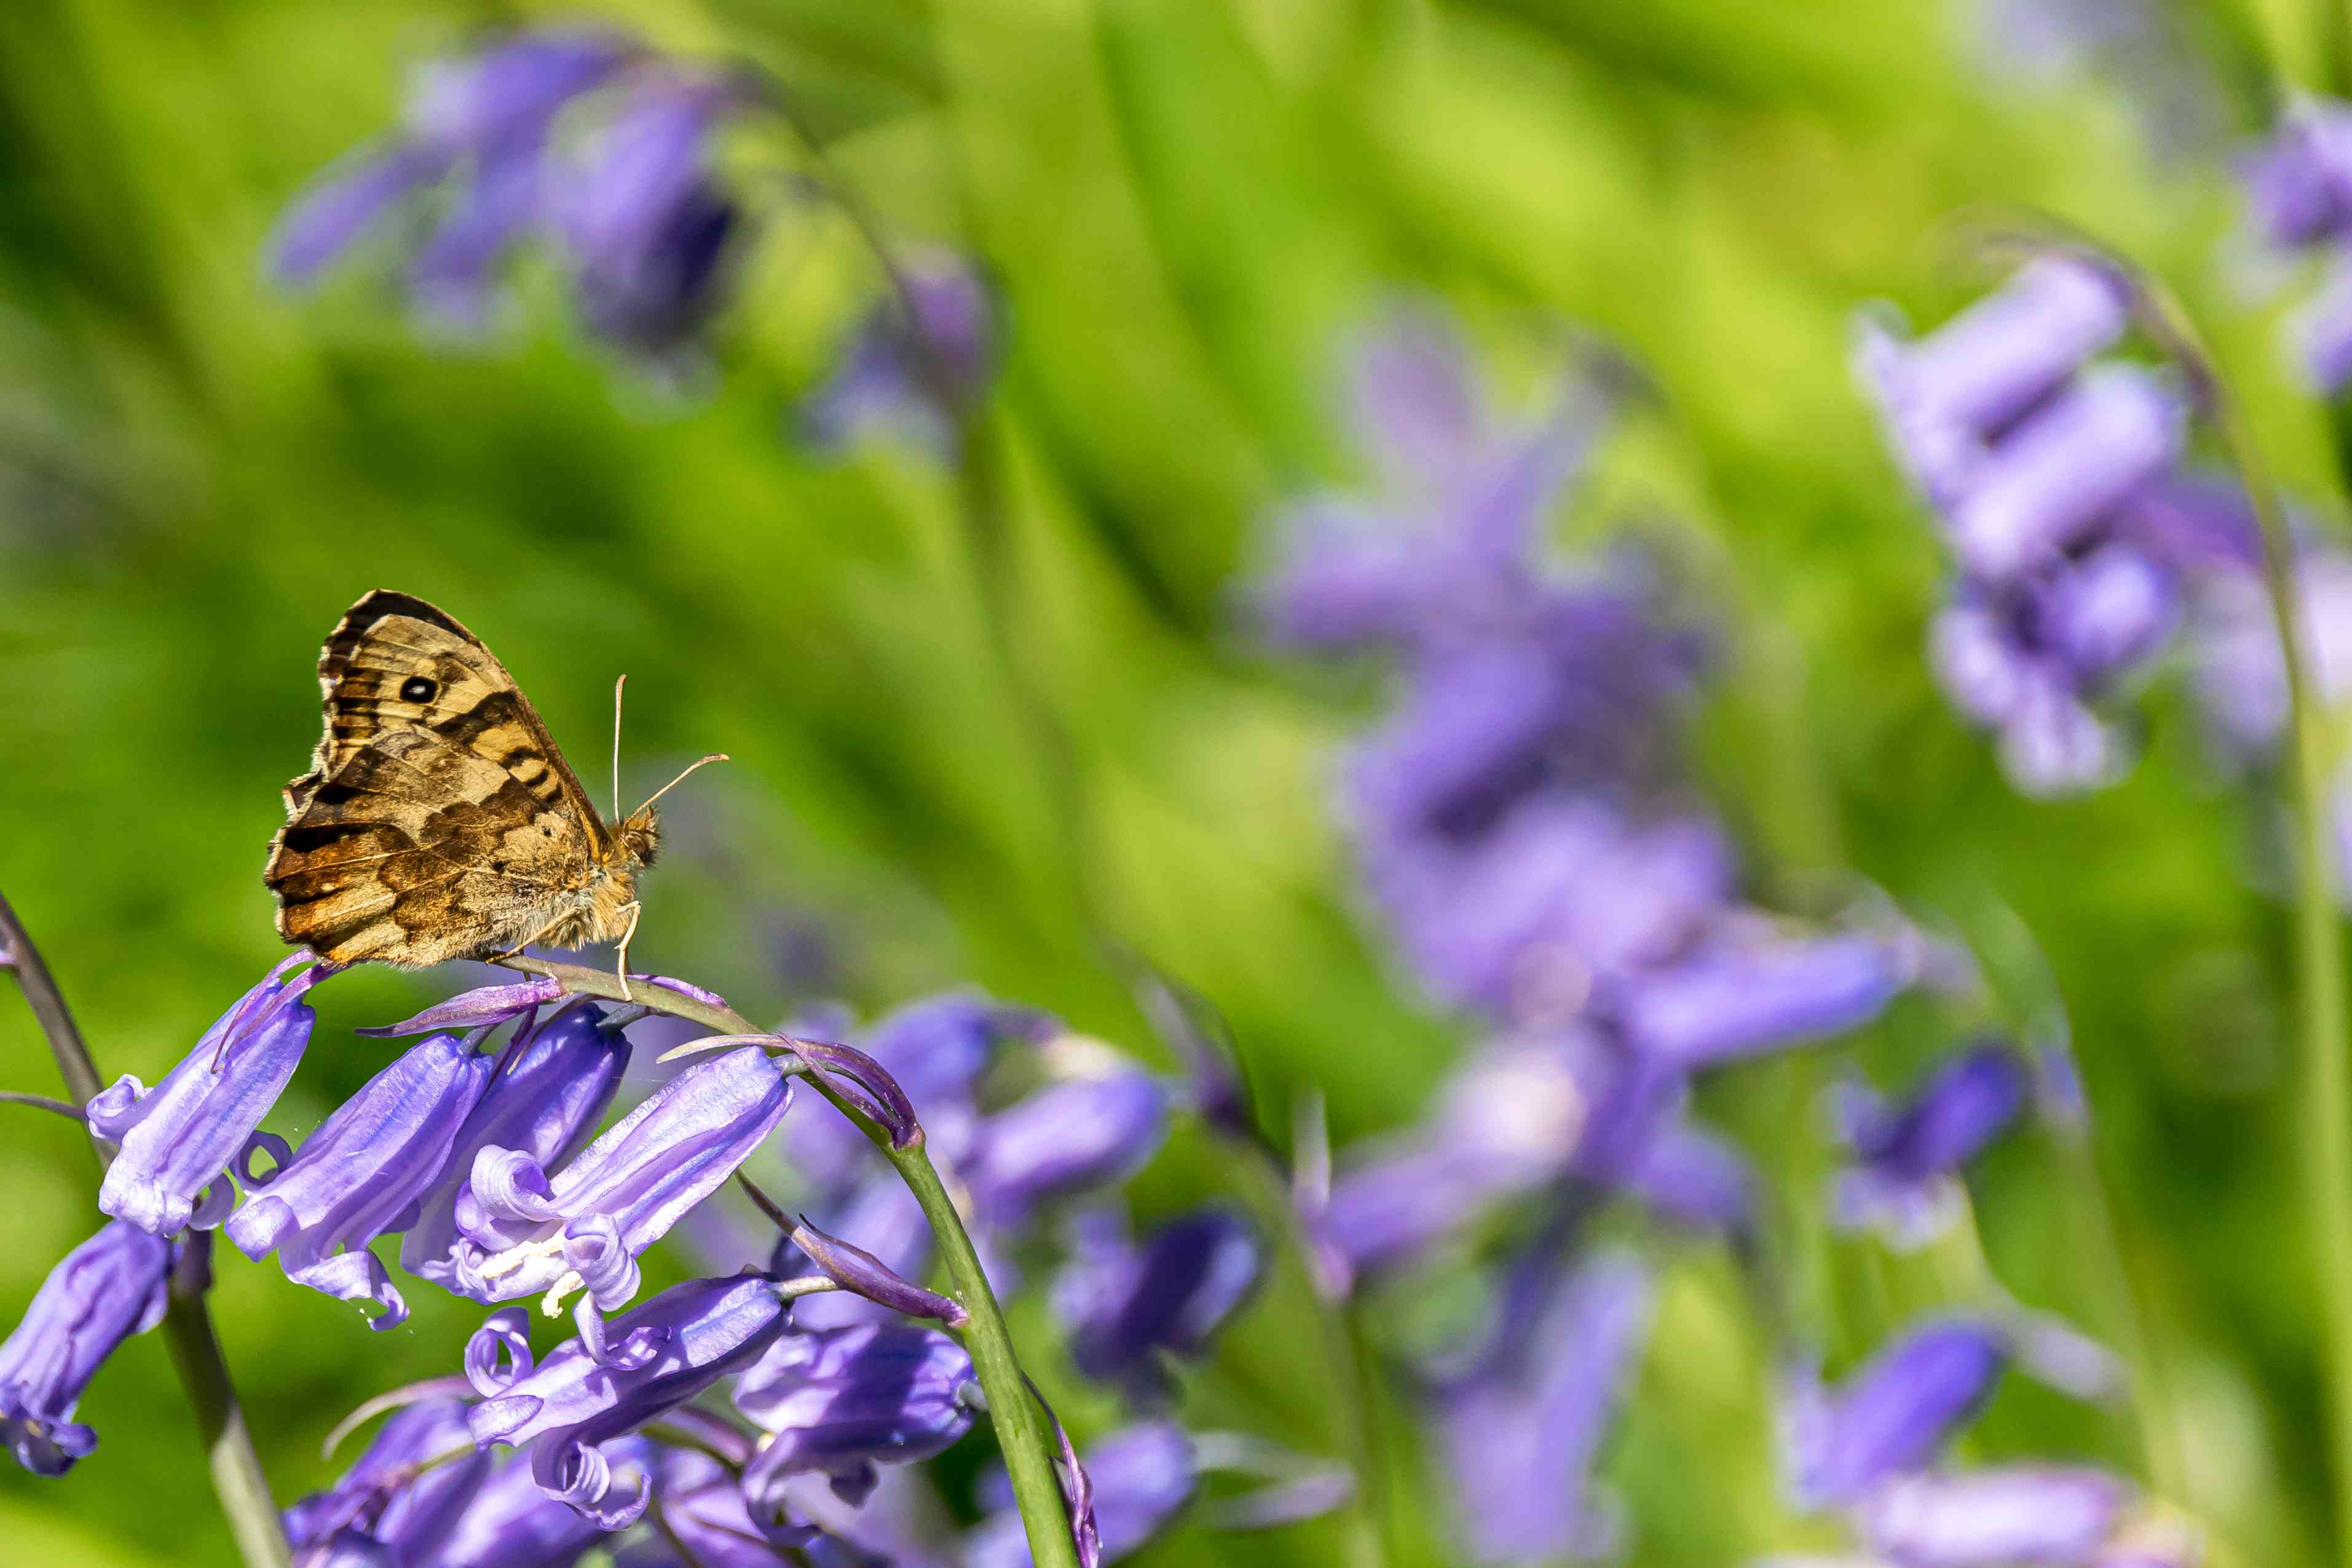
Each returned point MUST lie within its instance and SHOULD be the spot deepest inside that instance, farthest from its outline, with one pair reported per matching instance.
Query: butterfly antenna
(703, 762)
(616, 746)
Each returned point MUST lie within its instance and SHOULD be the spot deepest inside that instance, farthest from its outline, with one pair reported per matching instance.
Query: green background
(1188, 204)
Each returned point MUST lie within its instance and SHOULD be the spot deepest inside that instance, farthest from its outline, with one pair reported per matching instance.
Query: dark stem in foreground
(187, 1326)
(1029, 1447)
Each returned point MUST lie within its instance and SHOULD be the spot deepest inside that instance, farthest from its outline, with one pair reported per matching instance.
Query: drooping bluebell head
(363, 1175)
(911, 378)
(551, 1086)
(178, 1138)
(106, 1290)
(1128, 1308)
(840, 1401)
(1906, 1157)
(650, 232)
(1891, 1417)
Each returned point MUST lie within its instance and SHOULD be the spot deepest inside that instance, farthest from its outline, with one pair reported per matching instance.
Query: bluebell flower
(1143, 1476)
(387, 1498)
(1894, 1414)
(106, 1290)
(677, 1344)
(1128, 1307)
(1994, 1518)
(363, 1175)
(1906, 1159)
(526, 1233)
(178, 1138)
(1522, 1431)
(551, 1086)
(841, 1402)
(912, 378)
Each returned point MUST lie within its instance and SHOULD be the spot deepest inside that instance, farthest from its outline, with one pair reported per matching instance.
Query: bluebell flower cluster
(1542, 863)
(2056, 477)
(2085, 548)
(1546, 869)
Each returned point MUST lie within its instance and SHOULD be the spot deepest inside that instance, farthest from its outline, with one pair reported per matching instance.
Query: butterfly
(438, 820)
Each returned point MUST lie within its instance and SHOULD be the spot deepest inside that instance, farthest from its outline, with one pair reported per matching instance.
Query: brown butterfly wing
(439, 820)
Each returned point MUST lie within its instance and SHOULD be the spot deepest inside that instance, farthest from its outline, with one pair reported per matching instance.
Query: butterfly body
(438, 819)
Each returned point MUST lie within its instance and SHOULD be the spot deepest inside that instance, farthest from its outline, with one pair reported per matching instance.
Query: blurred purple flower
(937, 1050)
(361, 1175)
(551, 1084)
(584, 1228)
(2011, 1517)
(1901, 1181)
(680, 1343)
(1739, 1000)
(489, 115)
(839, 1402)
(1944, 395)
(2299, 184)
(106, 1290)
(178, 1138)
(1893, 1415)
(1510, 1121)
(1143, 1476)
(649, 230)
(912, 378)
(1521, 1433)
(511, 1523)
(1447, 548)
(1092, 1130)
(1126, 1307)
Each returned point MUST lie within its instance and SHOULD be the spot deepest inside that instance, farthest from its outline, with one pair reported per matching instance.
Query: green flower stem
(1029, 1447)
(2320, 1016)
(239, 1479)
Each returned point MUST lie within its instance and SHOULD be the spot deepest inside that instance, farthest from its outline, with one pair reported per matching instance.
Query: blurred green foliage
(1187, 204)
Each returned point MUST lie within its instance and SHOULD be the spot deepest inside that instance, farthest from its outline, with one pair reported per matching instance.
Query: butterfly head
(639, 836)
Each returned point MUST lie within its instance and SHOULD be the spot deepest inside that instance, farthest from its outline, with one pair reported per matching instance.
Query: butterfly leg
(622, 962)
